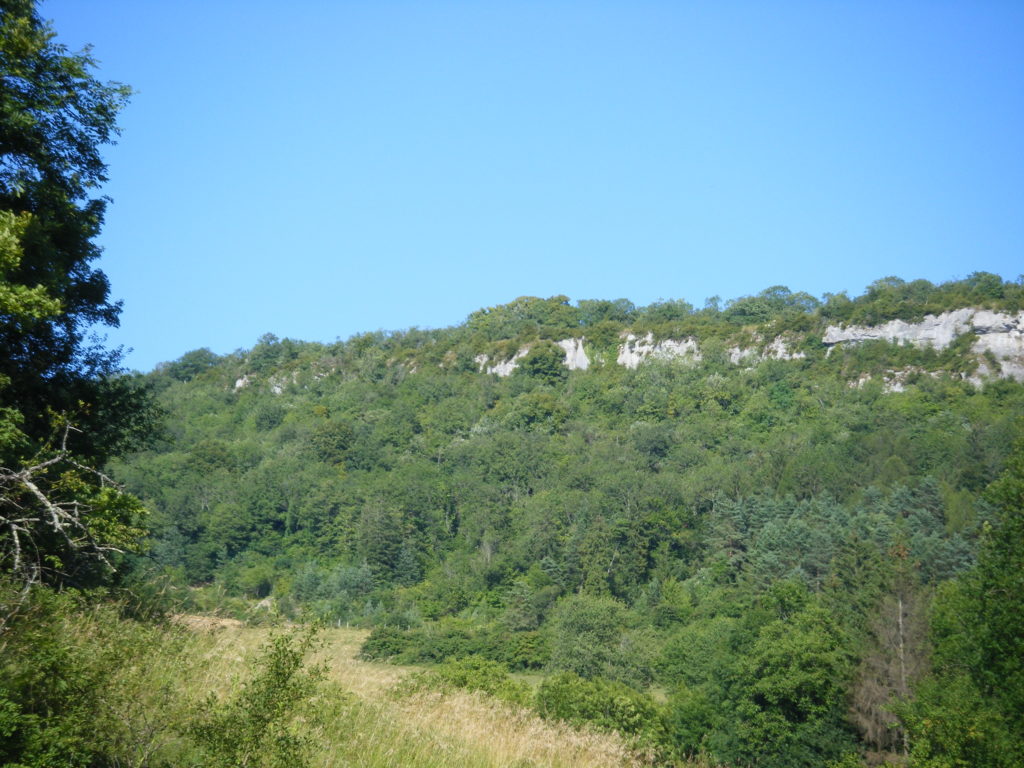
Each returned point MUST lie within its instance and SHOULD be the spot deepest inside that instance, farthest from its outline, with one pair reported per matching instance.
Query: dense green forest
(742, 546)
(753, 548)
(390, 462)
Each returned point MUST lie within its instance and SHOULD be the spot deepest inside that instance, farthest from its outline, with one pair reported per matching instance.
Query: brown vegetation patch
(206, 623)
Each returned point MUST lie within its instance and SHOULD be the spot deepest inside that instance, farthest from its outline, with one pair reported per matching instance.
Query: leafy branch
(59, 500)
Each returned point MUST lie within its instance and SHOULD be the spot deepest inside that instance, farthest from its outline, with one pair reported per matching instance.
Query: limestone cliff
(998, 333)
(634, 350)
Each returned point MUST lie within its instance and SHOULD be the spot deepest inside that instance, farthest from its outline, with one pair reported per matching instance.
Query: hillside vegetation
(749, 548)
(207, 692)
(775, 531)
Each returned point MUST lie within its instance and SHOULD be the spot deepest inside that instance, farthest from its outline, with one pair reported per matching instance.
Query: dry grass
(206, 623)
(368, 680)
(489, 732)
(502, 735)
(360, 724)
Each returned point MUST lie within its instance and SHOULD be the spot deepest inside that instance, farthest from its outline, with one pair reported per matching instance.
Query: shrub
(71, 683)
(384, 644)
(452, 639)
(473, 673)
(586, 634)
(255, 727)
(606, 704)
(517, 650)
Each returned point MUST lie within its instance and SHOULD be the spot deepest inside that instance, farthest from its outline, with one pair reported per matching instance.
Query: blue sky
(318, 169)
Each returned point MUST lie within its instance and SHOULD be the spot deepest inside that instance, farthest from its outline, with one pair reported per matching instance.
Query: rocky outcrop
(279, 383)
(998, 333)
(777, 349)
(575, 356)
(938, 331)
(739, 355)
(634, 350)
(894, 380)
(1003, 336)
(505, 367)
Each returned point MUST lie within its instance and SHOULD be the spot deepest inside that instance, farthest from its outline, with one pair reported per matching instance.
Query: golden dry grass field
(361, 724)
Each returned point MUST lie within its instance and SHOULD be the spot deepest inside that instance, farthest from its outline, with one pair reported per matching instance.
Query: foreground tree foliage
(65, 409)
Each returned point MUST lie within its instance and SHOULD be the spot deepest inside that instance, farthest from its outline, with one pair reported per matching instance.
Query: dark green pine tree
(971, 711)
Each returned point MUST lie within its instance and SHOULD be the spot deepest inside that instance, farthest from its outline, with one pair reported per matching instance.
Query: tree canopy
(65, 408)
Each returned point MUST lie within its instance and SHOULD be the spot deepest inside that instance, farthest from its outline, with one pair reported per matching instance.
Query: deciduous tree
(65, 408)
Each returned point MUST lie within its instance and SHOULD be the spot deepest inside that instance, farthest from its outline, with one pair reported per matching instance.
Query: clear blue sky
(317, 169)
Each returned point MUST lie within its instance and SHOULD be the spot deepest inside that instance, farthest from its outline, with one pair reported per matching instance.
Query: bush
(606, 704)
(385, 644)
(76, 687)
(473, 673)
(452, 639)
(586, 635)
(518, 650)
(255, 727)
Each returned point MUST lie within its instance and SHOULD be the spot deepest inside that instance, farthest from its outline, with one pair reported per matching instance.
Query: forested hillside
(773, 531)
(745, 524)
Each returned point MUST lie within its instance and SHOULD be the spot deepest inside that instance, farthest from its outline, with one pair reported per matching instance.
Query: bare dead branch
(28, 509)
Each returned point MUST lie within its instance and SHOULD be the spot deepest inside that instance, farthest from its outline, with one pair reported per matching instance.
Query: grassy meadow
(350, 716)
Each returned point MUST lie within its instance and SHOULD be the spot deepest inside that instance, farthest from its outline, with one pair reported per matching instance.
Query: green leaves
(603, 703)
(585, 635)
(471, 673)
(255, 728)
(789, 693)
(728, 531)
(971, 712)
(54, 119)
(24, 302)
(54, 116)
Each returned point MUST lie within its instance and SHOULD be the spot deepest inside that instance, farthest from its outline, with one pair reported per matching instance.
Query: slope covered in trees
(733, 533)
(754, 542)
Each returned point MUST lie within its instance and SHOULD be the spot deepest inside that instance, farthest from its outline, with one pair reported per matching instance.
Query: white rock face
(778, 350)
(278, 383)
(986, 321)
(860, 381)
(1006, 342)
(1000, 333)
(981, 373)
(893, 380)
(634, 351)
(738, 355)
(506, 367)
(672, 348)
(242, 383)
(937, 331)
(575, 357)
(896, 381)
